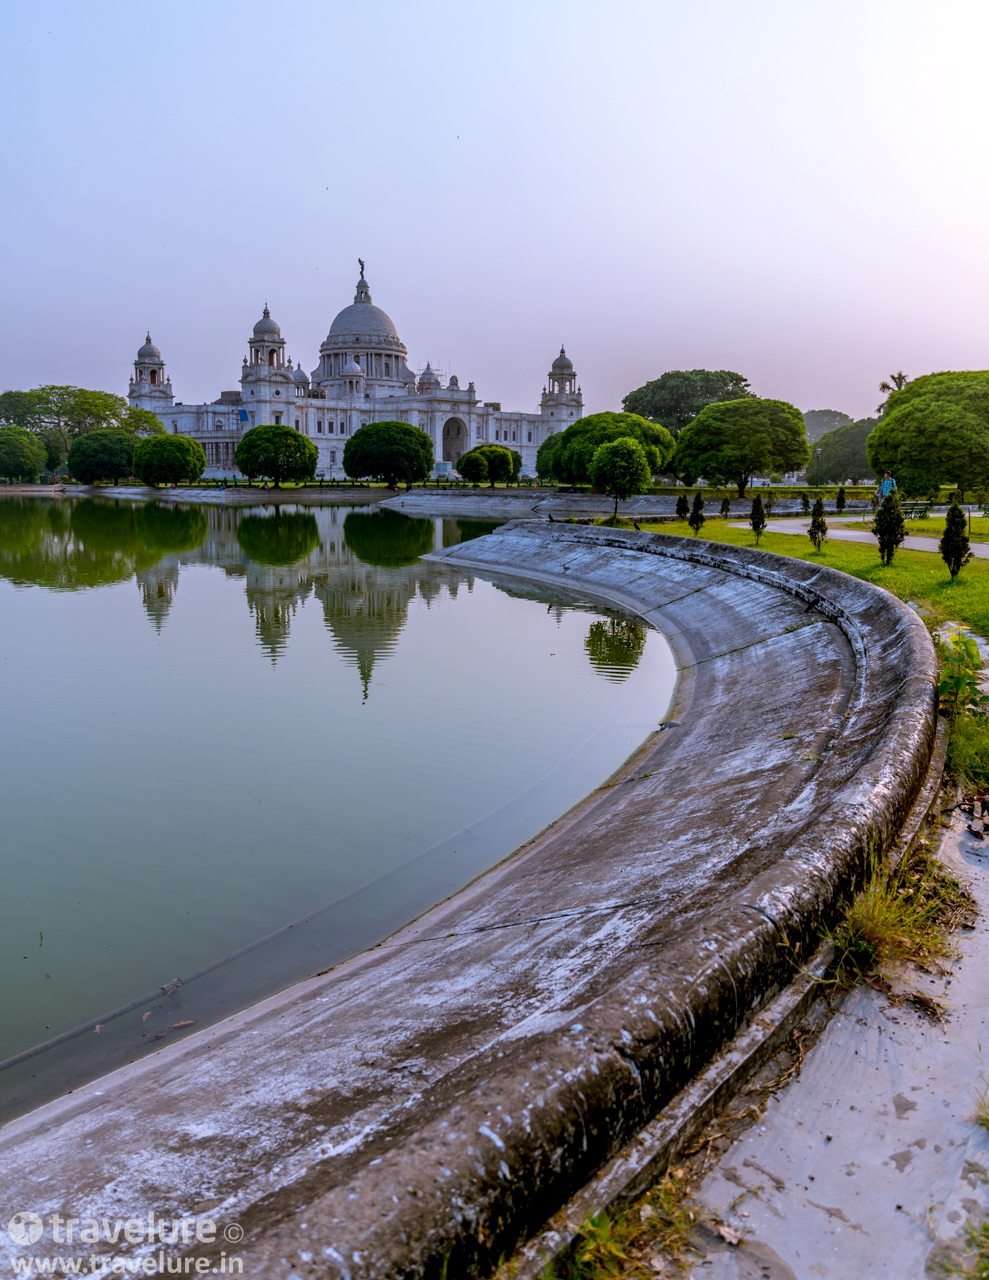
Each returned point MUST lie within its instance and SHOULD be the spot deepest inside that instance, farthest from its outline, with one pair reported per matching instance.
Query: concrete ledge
(434, 1100)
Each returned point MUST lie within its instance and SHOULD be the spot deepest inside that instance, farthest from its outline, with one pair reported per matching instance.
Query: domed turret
(563, 363)
(149, 351)
(149, 388)
(266, 328)
(428, 380)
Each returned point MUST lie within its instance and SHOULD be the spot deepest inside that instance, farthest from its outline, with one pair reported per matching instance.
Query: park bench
(915, 510)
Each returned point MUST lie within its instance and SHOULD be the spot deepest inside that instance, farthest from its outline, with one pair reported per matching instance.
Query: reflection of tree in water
(614, 646)
(387, 539)
(169, 530)
(88, 544)
(104, 526)
(281, 539)
(457, 531)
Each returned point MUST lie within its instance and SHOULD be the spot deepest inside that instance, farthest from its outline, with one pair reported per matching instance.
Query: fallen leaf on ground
(729, 1234)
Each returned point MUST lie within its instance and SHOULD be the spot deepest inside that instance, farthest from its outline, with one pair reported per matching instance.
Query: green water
(219, 722)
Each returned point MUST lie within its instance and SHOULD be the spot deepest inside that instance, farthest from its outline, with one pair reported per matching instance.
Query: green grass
(916, 576)
(968, 751)
(902, 915)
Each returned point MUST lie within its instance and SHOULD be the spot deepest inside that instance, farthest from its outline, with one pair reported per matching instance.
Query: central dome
(363, 323)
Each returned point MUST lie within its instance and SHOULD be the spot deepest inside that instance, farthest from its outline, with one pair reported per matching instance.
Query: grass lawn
(916, 576)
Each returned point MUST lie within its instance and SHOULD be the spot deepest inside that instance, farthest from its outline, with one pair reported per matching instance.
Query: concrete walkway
(844, 533)
(870, 1162)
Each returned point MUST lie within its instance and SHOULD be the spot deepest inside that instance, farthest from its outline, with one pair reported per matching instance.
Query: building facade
(362, 376)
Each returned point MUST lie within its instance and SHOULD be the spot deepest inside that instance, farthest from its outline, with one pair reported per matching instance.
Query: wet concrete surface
(438, 1096)
(870, 1163)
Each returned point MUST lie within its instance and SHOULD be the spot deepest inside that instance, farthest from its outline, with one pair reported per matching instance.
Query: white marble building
(362, 376)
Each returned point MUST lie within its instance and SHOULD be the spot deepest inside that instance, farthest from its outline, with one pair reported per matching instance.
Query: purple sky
(795, 191)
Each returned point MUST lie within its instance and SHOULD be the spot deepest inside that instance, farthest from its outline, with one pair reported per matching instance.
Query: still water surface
(220, 722)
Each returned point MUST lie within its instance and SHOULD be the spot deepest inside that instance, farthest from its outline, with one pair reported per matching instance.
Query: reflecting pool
(239, 745)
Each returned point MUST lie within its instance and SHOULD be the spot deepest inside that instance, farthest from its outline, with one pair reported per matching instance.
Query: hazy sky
(798, 191)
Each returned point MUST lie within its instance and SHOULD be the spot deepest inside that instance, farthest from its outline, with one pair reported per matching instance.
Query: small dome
(299, 374)
(149, 351)
(266, 327)
(563, 363)
(428, 378)
(352, 369)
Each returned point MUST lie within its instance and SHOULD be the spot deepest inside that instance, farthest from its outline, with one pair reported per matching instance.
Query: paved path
(980, 550)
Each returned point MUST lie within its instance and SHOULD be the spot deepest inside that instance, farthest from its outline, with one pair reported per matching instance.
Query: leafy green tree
(619, 467)
(725, 508)
(935, 431)
(22, 409)
(473, 467)
(821, 421)
(732, 442)
(757, 518)
(697, 517)
(168, 460)
(142, 422)
(804, 503)
(546, 456)
(889, 528)
(954, 545)
(280, 539)
(278, 452)
(571, 459)
(841, 453)
(22, 455)
(840, 501)
(101, 455)
(498, 460)
(389, 451)
(387, 538)
(614, 647)
(676, 398)
(516, 464)
(683, 507)
(818, 530)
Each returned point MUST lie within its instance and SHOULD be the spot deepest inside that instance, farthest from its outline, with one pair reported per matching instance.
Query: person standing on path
(887, 485)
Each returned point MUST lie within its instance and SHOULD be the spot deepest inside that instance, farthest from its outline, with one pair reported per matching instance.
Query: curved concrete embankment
(436, 1097)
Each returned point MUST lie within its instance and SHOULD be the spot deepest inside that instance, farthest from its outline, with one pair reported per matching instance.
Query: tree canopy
(60, 414)
(738, 439)
(395, 452)
(278, 452)
(168, 459)
(676, 398)
(22, 455)
(499, 463)
(619, 467)
(101, 455)
(568, 460)
(820, 421)
(843, 455)
(935, 431)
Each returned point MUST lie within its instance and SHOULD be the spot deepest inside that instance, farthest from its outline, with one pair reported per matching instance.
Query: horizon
(784, 194)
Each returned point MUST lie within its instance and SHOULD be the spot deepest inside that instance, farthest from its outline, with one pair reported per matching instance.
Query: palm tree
(895, 382)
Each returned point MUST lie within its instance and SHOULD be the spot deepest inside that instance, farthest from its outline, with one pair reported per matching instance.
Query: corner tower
(149, 387)
(562, 400)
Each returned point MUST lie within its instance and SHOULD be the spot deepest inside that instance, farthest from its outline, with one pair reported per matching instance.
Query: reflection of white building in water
(362, 377)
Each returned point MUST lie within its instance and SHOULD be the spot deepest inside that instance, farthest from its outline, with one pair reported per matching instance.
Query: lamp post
(817, 472)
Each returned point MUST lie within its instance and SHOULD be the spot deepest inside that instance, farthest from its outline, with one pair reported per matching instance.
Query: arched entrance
(454, 440)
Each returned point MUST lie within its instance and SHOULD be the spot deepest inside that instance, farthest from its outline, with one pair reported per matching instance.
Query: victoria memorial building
(362, 376)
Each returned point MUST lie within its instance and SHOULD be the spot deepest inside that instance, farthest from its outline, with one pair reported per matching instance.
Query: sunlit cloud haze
(796, 191)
